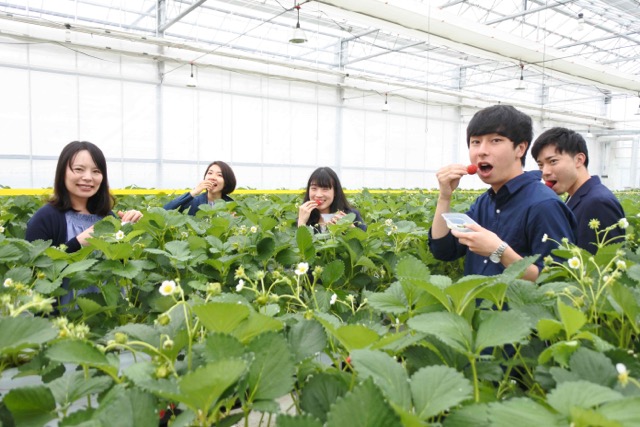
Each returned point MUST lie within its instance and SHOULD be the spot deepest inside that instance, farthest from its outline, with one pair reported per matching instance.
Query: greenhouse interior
(300, 227)
(381, 91)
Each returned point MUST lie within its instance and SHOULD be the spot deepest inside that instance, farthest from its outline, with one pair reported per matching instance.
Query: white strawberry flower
(302, 268)
(333, 299)
(574, 263)
(168, 287)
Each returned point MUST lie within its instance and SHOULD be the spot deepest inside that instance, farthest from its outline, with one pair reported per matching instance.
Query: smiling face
(82, 180)
(563, 170)
(214, 174)
(497, 159)
(323, 195)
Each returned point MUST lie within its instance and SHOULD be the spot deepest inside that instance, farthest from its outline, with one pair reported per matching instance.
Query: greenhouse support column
(161, 18)
(339, 130)
(633, 178)
(159, 135)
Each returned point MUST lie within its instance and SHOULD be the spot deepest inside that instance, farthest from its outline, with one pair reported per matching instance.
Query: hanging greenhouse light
(192, 81)
(385, 107)
(298, 35)
(588, 134)
(580, 24)
(521, 85)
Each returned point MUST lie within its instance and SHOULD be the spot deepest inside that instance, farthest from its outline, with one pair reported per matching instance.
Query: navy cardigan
(193, 203)
(49, 223)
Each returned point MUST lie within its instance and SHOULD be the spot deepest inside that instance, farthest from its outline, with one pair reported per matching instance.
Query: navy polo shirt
(521, 213)
(595, 201)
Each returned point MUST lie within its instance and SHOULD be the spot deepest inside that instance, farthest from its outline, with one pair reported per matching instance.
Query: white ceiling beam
(419, 20)
(187, 11)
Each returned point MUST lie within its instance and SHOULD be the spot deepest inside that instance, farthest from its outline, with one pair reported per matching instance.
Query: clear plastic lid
(457, 221)
(327, 217)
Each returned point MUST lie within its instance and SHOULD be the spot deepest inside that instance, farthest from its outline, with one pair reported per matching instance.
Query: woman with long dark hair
(325, 201)
(80, 198)
(218, 182)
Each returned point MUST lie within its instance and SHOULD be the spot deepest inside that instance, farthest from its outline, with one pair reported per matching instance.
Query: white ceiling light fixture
(385, 106)
(588, 134)
(192, 81)
(521, 85)
(67, 33)
(298, 35)
(580, 22)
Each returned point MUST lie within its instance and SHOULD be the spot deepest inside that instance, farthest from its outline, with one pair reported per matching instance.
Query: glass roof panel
(597, 32)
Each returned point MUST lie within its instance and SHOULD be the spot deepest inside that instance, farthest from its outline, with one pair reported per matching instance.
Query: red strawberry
(318, 201)
(549, 183)
(472, 169)
(349, 360)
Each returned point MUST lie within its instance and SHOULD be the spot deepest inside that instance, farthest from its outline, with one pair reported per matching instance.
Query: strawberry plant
(219, 315)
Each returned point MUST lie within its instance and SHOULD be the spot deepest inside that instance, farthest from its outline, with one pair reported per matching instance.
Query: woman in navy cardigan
(80, 198)
(219, 181)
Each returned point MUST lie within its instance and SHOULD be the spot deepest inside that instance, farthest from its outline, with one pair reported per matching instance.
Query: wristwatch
(497, 254)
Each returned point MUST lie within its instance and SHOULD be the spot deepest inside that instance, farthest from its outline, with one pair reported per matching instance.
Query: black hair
(504, 120)
(227, 174)
(565, 140)
(325, 177)
(100, 203)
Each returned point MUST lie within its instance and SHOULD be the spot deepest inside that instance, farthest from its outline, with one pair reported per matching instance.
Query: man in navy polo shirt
(514, 214)
(563, 158)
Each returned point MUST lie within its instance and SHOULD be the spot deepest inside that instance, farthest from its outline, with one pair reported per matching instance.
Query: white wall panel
(246, 118)
(54, 112)
(108, 63)
(16, 173)
(141, 175)
(304, 144)
(178, 124)
(245, 84)
(353, 134)
(436, 143)
(397, 143)
(53, 56)
(181, 175)
(392, 179)
(299, 178)
(100, 114)
(353, 178)
(277, 130)
(271, 177)
(42, 171)
(327, 141)
(274, 132)
(139, 121)
(251, 176)
(374, 148)
(14, 112)
(15, 53)
(210, 129)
